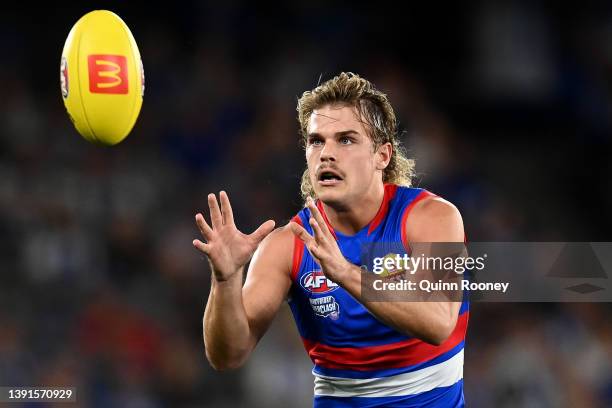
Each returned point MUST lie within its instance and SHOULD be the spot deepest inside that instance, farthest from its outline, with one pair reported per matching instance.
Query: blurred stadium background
(506, 106)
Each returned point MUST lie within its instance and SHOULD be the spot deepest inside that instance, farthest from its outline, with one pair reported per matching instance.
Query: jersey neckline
(389, 193)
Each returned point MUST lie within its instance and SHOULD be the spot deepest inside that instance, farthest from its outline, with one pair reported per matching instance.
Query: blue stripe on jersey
(448, 397)
(332, 372)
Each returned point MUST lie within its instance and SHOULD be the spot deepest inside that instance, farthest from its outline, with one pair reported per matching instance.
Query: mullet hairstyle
(373, 107)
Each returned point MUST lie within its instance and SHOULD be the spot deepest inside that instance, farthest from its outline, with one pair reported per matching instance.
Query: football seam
(81, 90)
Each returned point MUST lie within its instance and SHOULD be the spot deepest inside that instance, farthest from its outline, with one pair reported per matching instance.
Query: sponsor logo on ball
(64, 77)
(142, 79)
(107, 74)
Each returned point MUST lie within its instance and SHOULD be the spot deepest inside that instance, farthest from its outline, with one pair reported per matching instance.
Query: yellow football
(102, 78)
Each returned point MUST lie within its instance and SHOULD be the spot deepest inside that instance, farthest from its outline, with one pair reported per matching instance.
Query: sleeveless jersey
(358, 360)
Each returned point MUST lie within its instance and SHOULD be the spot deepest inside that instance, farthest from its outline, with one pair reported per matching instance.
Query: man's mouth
(329, 178)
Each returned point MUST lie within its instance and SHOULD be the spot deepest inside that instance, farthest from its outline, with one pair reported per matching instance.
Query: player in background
(357, 192)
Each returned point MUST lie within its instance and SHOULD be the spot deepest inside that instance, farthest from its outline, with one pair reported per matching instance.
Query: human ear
(383, 155)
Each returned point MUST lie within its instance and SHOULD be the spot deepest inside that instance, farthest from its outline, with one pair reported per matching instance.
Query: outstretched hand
(227, 248)
(322, 245)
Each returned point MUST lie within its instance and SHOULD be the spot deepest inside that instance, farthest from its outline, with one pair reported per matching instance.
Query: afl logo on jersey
(316, 282)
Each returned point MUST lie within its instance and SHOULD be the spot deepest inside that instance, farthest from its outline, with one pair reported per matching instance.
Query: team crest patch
(326, 306)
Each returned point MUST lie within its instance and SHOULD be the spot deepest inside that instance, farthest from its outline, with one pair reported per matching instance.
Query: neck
(352, 218)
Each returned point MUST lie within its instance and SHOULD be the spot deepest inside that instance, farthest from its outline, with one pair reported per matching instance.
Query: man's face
(342, 163)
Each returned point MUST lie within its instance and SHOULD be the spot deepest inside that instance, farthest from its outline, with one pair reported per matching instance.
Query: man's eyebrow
(337, 134)
(347, 133)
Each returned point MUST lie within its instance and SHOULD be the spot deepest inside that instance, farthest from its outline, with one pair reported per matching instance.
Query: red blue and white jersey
(358, 360)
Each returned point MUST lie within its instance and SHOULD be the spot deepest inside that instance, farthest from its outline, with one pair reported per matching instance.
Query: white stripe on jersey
(444, 374)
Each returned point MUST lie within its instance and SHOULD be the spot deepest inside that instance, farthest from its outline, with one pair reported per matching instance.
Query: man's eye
(316, 142)
(345, 141)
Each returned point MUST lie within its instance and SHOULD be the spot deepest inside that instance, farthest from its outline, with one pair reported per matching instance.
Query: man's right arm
(238, 315)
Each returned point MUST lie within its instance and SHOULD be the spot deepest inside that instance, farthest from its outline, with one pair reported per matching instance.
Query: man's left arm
(431, 220)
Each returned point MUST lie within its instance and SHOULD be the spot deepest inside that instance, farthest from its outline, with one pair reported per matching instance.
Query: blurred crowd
(506, 107)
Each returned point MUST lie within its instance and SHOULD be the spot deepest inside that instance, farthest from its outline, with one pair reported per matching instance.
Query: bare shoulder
(277, 249)
(280, 238)
(435, 207)
(434, 220)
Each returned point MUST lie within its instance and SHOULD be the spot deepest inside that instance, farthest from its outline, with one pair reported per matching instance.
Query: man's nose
(328, 153)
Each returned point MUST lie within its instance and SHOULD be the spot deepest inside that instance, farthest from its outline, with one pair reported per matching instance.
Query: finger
(315, 250)
(264, 229)
(226, 209)
(201, 246)
(318, 233)
(203, 226)
(316, 214)
(308, 240)
(300, 232)
(215, 212)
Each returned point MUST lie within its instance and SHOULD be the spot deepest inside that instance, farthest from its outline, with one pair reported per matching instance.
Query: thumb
(264, 229)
